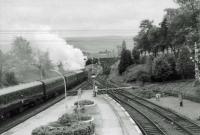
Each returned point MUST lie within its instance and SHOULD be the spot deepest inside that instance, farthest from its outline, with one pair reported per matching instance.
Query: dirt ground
(190, 109)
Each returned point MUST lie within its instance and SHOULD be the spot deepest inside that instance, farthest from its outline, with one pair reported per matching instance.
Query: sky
(77, 18)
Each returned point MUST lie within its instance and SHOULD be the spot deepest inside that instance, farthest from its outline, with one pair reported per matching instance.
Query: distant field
(96, 44)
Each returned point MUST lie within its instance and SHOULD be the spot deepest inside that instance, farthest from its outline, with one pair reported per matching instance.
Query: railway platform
(109, 117)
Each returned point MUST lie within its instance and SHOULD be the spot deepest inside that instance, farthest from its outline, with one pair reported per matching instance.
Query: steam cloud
(42, 38)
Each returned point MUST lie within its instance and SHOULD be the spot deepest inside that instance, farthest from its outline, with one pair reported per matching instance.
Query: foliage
(9, 79)
(161, 69)
(125, 60)
(67, 119)
(136, 56)
(26, 63)
(84, 102)
(143, 76)
(91, 61)
(75, 129)
(179, 27)
(67, 124)
(185, 66)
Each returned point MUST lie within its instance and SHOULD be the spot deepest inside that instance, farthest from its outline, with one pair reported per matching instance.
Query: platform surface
(109, 118)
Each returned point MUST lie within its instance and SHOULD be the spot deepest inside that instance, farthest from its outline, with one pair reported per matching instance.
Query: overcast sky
(82, 17)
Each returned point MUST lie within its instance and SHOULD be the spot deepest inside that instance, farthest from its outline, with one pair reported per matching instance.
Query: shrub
(74, 129)
(161, 69)
(143, 76)
(84, 102)
(69, 119)
(133, 71)
(40, 131)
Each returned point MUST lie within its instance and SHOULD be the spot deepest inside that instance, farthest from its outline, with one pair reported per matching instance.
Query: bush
(40, 131)
(143, 76)
(133, 71)
(69, 119)
(75, 129)
(84, 102)
(161, 69)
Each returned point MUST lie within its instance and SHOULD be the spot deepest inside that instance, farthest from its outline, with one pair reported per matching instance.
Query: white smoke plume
(42, 38)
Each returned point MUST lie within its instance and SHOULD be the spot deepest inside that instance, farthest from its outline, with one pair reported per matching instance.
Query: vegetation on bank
(163, 53)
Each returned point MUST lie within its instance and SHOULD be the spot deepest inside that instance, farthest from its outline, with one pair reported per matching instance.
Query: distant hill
(97, 44)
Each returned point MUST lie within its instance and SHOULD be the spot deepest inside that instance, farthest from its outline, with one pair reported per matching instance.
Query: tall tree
(164, 34)
(123, 45)
(125, 59)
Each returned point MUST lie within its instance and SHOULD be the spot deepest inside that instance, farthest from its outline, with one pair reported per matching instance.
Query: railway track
(167, 121)
(147, 126)
(14, 121)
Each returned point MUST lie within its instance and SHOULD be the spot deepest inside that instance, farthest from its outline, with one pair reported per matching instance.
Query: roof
(11, 89)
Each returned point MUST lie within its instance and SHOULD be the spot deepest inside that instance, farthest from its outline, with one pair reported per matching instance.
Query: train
(17, 98)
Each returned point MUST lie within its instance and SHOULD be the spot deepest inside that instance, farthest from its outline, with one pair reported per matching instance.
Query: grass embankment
(148, 90)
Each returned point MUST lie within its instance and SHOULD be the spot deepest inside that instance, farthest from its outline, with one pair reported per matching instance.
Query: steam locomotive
(18, 98)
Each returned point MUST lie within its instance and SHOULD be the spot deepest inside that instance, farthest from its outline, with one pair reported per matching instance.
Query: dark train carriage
(74, 78)
(16, 97)
(53, 86)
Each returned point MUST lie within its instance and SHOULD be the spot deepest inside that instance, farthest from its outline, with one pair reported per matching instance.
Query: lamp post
(59, 73)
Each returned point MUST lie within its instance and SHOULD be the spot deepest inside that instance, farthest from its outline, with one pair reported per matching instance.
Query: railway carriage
(12, 98)
(17, 98)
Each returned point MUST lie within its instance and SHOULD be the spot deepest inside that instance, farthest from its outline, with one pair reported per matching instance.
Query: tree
(161, 69)
(185, 67)
(124, 45)
(125, 60)
(192, 7)
(21, 49)
(164, 35)
(1, 67)
(143, 77)
(10, 79)
(44, 64)
(154, 39)
(135, 55)
(91, 61)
